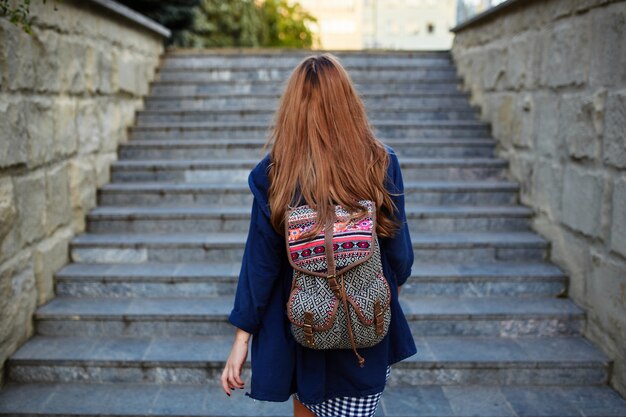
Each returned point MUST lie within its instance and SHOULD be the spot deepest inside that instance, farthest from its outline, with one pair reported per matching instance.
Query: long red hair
(323, 145)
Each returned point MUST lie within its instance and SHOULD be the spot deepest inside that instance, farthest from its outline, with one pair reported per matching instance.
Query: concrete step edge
(241, 143)
(462, 186)
(376, 123)
(217, 308)
(230, 271)
(59, 398)
(243, 212)
(437, 351)
(165, 164)
(224, 239)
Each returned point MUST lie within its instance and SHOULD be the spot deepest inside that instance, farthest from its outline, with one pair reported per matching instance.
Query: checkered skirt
(347, 406)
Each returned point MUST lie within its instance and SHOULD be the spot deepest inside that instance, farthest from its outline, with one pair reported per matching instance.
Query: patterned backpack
(339, 296)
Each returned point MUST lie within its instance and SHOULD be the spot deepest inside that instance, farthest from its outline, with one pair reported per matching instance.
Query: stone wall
(550, 77)
(67, 95)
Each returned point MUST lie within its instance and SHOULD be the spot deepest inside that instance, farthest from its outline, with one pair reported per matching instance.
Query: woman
(323, 150)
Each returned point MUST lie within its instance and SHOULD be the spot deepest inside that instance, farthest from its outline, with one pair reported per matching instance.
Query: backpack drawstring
(345, 305)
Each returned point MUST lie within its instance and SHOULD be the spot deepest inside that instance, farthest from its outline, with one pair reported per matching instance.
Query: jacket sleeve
(260, 269)
(399, 248)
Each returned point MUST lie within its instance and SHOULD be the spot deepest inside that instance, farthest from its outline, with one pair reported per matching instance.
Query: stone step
(132, 399)
(386, 129)
(215, 279)
(215, 61)
(238, 170)
(358, 74)
(170, 194)
(441, 360)
(228, 247)
(430, 99)
(247, 87)
(138, 219)
(265, 114)
(253, 148)
(208, 316)
(529, 279)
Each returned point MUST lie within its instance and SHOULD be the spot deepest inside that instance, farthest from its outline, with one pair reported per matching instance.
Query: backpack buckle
(334, 285)
(307, 328)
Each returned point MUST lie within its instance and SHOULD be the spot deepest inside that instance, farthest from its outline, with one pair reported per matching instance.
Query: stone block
(88, 126)
(618, 217)
(521, 58)
(582, 198)
(105, 64)
(18, 49)
(50, 65)
(566, 56)
(523, 124)
(502, 115)
(547, 185)
(58, 210)
(73, 56)
(494, 74)
(128, 74)
(8, 211)
(13, 136)
(48, 257)
(65, 129)
(545, 109)
(40, 131)
(614, 149)
(112, 124)
(608, 46)
(11, 243)
(17, 302)
(606, 293)
(103, 167)
(82, 179)
(581, 121)
(90, 68)
(571, 253)
(4, 26)
(521, 168)
(30, 195)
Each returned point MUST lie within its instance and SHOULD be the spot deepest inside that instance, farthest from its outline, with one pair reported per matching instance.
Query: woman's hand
(231, 376)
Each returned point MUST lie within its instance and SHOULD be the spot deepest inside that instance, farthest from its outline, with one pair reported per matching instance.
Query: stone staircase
(139, 325)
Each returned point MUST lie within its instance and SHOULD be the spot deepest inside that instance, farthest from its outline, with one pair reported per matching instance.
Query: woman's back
(280, 366)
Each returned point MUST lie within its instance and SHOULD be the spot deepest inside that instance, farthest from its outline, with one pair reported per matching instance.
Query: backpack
(339, 296)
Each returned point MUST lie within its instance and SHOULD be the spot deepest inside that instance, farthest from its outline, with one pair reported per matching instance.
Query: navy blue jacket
(281, 366)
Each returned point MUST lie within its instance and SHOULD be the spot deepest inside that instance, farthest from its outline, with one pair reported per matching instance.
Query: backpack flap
(352, 241)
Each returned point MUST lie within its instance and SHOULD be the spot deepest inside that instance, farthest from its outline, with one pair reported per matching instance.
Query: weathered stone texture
(581, 200)
(67, 95)
(30, 193)
(615, 131)
(48, 257)
(545, 109)
(618, 217)
(550, 77)
(565, 58)
(581, 123)
(548, 183)
(8, 211)
(57, 197)
(13, 143)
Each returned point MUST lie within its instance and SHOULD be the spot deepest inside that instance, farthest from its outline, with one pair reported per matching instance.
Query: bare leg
(300, 410)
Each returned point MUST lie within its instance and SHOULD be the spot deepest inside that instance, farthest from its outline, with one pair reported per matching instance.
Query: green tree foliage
(230, 23)
(18, 12)
(286, 25)
(224, 23)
